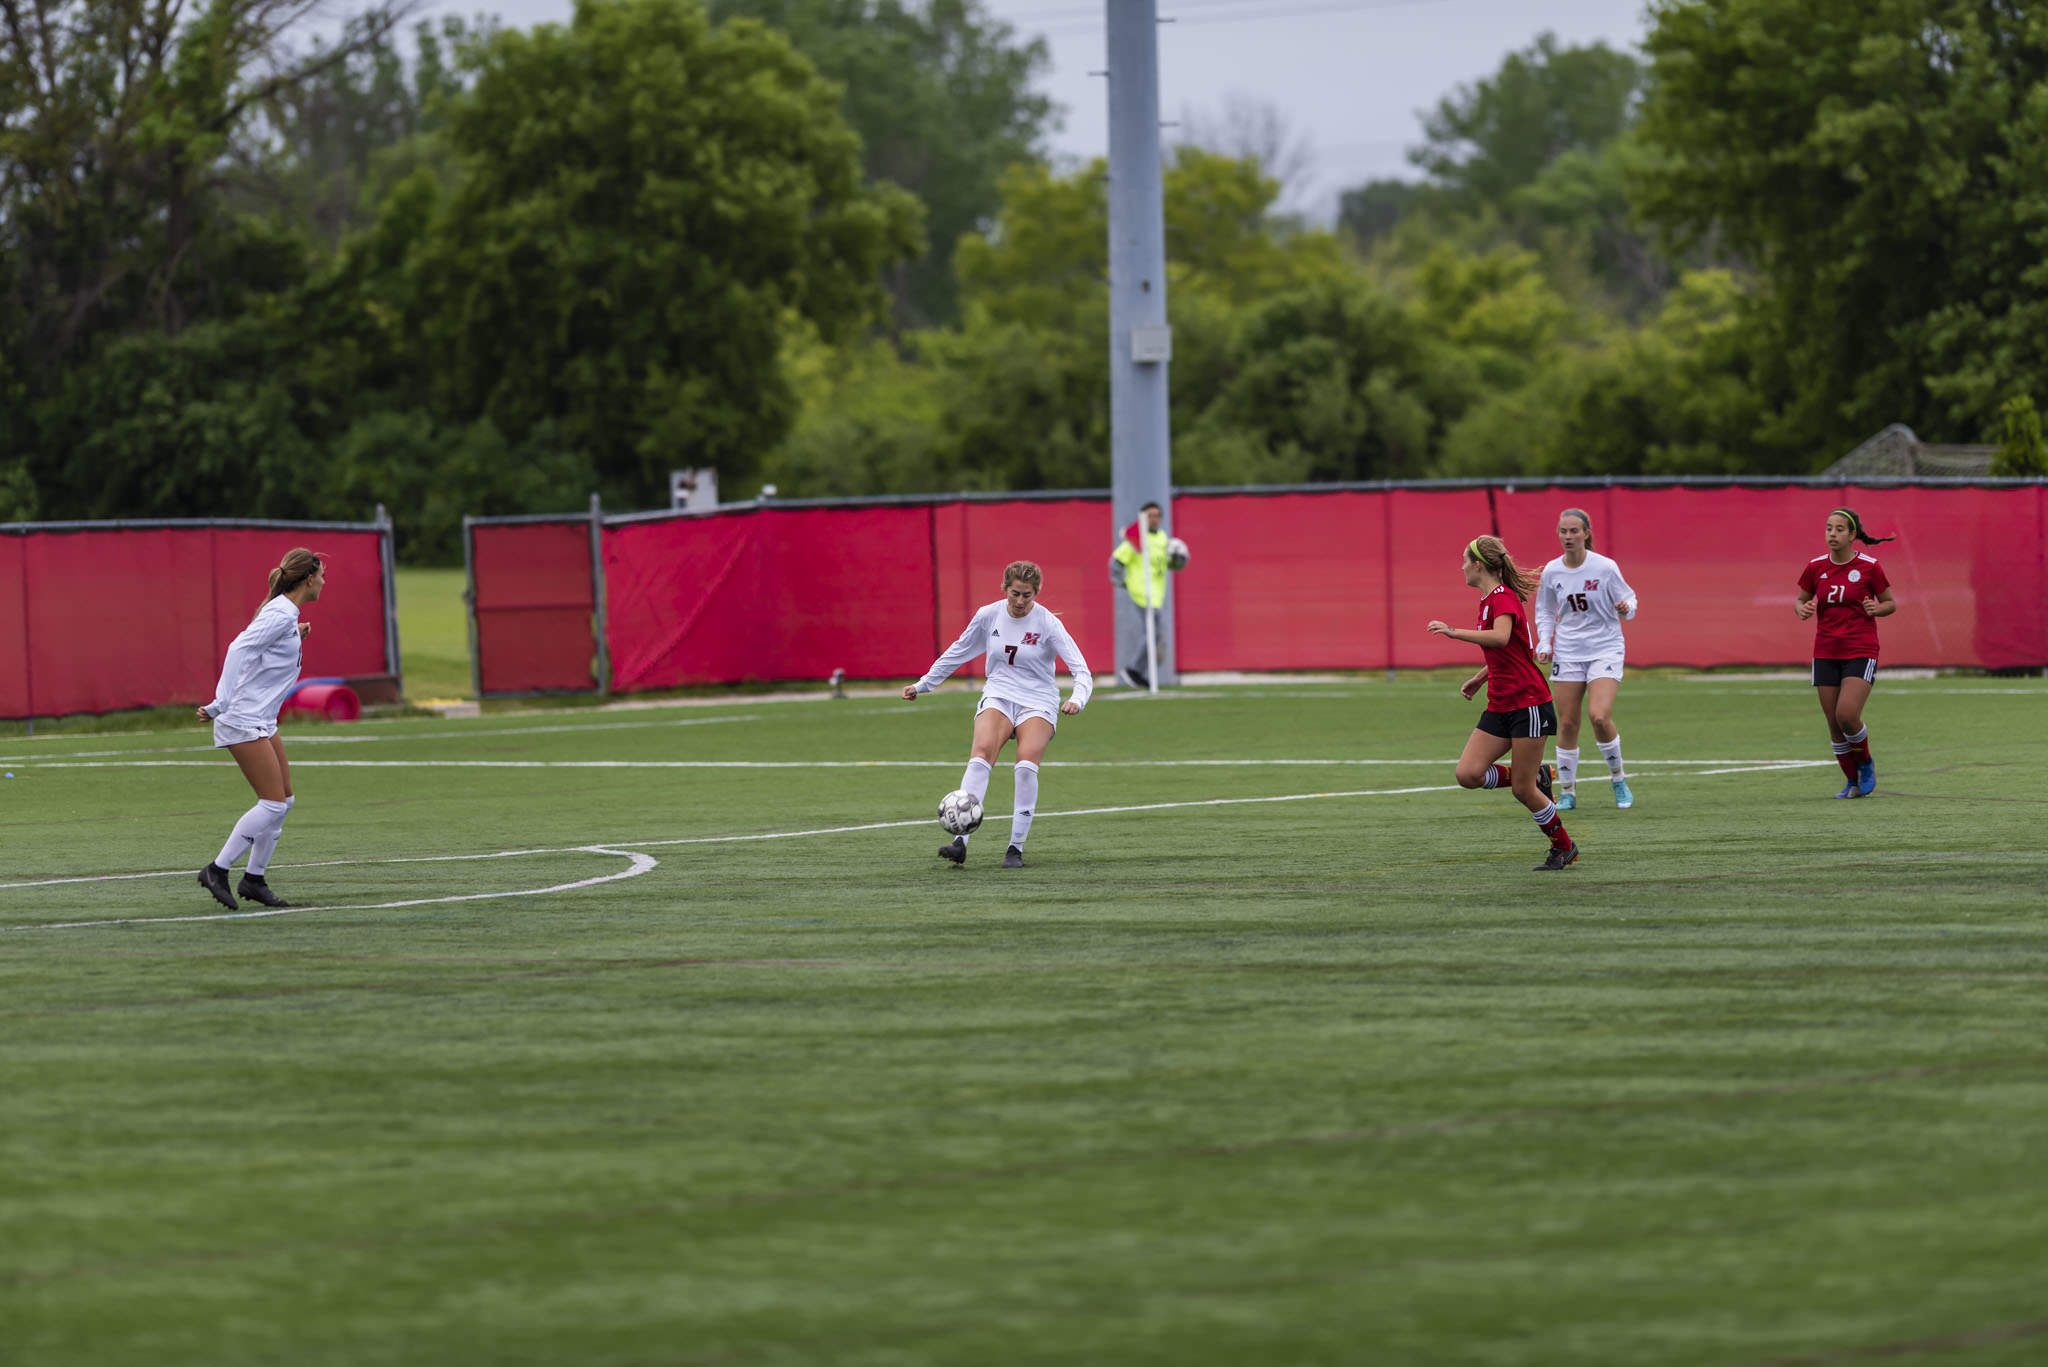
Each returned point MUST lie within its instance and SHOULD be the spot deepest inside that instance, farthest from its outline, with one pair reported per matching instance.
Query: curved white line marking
(639, 864)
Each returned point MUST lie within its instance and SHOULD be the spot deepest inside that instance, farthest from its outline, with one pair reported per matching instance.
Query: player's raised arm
(965, 647)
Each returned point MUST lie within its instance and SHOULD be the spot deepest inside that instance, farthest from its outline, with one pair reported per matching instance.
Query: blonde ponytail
(1492, 552)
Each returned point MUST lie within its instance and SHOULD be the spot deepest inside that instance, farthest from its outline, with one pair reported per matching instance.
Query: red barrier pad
(1343, 579)
(1070, 541)
(770, 594)
(535, 606)
(2008, 544)
(100, 644)
(94, 645)
(347, 639)
(1428, 531)
(17, 691)
(1284, 581)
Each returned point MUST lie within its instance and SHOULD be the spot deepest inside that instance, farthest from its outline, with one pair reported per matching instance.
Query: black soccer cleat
(957, 851)
(214, 879)
(1560, 856)
(1543, 781)
(252, 888)
(1013, 858)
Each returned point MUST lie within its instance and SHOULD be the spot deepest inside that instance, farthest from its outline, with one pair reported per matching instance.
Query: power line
(1196, 13)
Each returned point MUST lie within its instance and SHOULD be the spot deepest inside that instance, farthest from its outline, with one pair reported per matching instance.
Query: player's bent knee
(1472, 778)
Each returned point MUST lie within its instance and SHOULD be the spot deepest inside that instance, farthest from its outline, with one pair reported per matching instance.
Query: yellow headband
(1473, 551)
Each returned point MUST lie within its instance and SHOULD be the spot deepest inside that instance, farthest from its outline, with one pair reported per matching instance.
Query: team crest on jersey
(1030, 638)
(1592, 584)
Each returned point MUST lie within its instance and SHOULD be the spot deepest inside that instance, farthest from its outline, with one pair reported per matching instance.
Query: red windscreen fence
(533, 601)
(99, 617)
(1282, 580)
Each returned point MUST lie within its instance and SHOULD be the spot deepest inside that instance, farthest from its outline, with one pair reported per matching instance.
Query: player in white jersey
(261, 668)
(1021, 642)
(1579, 607)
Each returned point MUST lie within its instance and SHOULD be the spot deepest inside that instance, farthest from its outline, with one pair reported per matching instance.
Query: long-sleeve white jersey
(1579, 612)
(262, 665)
(1020, 657)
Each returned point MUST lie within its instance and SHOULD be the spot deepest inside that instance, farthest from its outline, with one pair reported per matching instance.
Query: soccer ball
(1176, 553)
(960, 812)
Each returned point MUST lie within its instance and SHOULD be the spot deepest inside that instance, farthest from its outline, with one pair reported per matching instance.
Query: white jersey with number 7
(1021, 654)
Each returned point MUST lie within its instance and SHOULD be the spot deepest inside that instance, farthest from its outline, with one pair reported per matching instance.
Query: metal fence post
(604, 650)
(387, 545)
(476, 660)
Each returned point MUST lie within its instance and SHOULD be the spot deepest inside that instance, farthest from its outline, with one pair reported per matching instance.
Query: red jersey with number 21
(1512, 678)
(1842, 630)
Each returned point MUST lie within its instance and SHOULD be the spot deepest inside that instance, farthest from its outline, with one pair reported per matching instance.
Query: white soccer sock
(1567, 769)
(266, 843)
(1610, 750)
(258, 819)
(1026, 803)
(975, 780)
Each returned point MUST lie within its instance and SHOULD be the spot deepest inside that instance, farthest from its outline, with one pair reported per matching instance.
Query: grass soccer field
(661, 1036)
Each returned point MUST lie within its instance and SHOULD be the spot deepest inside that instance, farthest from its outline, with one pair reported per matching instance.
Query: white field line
(638, 864)
(620, 846)
(1749, 765)
(461, 731)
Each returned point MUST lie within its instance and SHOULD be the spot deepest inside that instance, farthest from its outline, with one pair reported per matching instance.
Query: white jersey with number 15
(1579, 612)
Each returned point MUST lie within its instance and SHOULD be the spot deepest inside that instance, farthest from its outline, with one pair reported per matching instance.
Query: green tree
(1017, 396)
(1489, 139)
(639, 199)
(1883, 164)
(116, 123)
(1679, 396)
(323, 152)
(2022, 453)
(940, 92)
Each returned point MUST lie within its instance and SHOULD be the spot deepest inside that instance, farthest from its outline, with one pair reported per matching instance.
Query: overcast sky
(1347, 75)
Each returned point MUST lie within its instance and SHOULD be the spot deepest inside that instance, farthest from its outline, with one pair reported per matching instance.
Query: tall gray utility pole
(1140, 344)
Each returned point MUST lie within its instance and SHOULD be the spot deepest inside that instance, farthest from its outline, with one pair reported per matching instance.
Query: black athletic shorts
(1830, 673)
(1520, 722)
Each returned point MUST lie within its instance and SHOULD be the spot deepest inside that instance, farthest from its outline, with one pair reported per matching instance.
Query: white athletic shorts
(1017, 712)
(1583, 671)
(226, 732)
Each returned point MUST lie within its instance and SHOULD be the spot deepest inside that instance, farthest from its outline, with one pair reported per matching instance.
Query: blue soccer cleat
(1623, 798)
(1866, 779)
(1567, 801)
(1850, 789)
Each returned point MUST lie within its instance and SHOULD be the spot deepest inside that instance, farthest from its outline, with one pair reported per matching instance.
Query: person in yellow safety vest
(1128, 565)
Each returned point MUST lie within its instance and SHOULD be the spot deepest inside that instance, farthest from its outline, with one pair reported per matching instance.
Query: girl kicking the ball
(1022, 643)
(1519, 713)
(262, 666)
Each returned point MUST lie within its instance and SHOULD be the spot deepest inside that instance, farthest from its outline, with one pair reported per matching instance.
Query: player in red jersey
(1845, 592)
(1519, 713)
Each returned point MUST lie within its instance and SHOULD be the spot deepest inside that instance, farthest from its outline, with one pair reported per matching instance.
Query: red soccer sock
(1554, 828)
(1502, 775)
(1847, 759)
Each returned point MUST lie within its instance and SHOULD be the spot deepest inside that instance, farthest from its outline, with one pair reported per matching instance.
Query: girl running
(262, 665)
(1020, 698)
(1519, 712)
(1845, 592)
(1579, 608)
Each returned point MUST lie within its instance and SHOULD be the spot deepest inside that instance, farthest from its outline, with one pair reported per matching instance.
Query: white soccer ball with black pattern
(1176, 553)
(960, 812)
